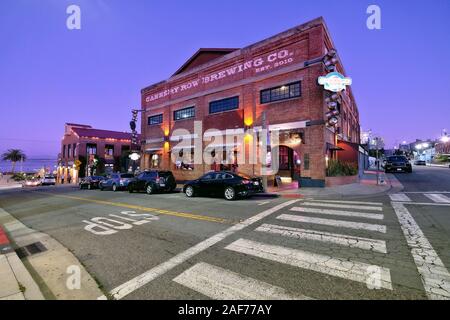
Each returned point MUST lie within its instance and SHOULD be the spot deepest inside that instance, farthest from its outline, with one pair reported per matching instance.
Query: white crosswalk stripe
(371, 275)
(399, 197)
(376, 216)
(342, 206)
(334, 223)
(340, 239)
(219, 283)
(349, 202)
(438, 198)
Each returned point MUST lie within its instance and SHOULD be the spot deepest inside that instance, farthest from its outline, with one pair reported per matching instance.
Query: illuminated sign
(134, 156)
(335, 82)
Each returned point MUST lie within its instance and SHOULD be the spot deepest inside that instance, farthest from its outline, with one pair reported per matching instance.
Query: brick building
(84, 149)
(271, 84)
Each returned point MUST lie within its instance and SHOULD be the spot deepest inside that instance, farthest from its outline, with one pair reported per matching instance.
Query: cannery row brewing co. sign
(265, 63)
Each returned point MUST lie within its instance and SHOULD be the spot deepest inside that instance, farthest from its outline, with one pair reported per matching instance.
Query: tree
(14, 155)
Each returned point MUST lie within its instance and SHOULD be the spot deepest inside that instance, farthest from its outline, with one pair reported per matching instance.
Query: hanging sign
(335, 82)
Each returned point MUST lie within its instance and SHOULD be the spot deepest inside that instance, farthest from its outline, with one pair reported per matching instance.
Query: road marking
(426, 204)
(146, 209)
(263, 203)
(347, 269)
(141, 280)
(424, 192)
(340, 239)
(434, 275)
(221, 284)
(350, 202)
(342, 206)
(376, 216)
(438, 198)
(399, 197)
(334, 223)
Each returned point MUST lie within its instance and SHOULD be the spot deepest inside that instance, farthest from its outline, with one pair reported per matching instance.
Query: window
(64, 151)
(158, 119)
(306, 161)
(69, 149)
(91, 149)
(185, 113)
(288, 91)
(74, 150)
(109, 151)
(224, 105)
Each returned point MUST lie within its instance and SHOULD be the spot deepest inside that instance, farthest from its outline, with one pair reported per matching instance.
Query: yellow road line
(146, 209)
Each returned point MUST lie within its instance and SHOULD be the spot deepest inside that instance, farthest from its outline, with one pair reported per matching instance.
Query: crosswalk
(437, 197)
(303, 221)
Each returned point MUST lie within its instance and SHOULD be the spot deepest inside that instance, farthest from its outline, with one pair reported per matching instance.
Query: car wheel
(229, 193)
(189, 191)
(114, 187)
(149, 189)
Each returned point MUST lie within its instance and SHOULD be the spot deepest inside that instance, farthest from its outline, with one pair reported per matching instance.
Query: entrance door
(286, 162)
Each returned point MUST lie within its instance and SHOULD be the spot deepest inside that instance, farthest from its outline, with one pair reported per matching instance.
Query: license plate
(162, 184)
(398, 169)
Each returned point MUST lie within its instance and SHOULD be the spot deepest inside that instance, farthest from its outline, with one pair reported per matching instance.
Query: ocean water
(30, 166)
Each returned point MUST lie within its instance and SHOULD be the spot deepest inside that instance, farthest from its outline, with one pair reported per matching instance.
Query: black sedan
(91, 182)
(398, 164)
(420, 163)
(225, 184)
(153, 181)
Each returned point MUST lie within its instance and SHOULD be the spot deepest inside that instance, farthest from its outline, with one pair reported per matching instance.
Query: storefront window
(155, 161)
(91, 149)
(184, 163)
(287, 91)
(109, 151)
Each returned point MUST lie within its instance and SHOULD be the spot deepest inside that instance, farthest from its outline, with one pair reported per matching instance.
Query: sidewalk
(6, 183)
(367, 186)
(50, 263)
(16, 282)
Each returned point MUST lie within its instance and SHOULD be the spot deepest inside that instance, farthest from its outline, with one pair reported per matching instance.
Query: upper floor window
(64, 151)
(157, 119)
(69, 148)
(284, 92)
(224, 105)
(185, 113)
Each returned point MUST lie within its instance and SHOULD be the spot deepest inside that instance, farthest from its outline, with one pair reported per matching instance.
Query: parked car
(420, 163)
(116, 181)
(48, 180)
(222, 183)
(398, 164)
(91, 182)
(32, 182)
(153, 181)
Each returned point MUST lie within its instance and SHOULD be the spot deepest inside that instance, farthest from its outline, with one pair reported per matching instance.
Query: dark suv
(397, 164)
(153, 181)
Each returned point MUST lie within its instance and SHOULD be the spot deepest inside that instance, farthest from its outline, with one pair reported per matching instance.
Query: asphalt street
(166, 246)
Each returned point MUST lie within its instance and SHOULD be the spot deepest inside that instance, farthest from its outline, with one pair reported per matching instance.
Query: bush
(440, 158)
(19, 176)
(337, 168)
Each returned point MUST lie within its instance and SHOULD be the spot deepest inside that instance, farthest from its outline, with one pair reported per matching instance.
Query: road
(166, 246)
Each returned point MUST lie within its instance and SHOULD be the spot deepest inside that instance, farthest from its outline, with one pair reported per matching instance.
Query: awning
(331, 147)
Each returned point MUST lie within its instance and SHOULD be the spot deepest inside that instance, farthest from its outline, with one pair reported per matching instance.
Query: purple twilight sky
(50, 75)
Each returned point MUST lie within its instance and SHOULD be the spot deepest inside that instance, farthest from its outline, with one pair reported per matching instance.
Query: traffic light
(330, 60)
(333, 102)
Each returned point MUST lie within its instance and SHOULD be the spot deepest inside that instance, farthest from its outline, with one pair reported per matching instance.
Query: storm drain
(30, 249)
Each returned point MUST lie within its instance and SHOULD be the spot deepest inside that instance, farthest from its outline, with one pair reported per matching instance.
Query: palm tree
(14, 155)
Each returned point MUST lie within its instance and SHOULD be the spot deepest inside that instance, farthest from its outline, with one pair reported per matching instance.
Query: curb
(17, 282)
